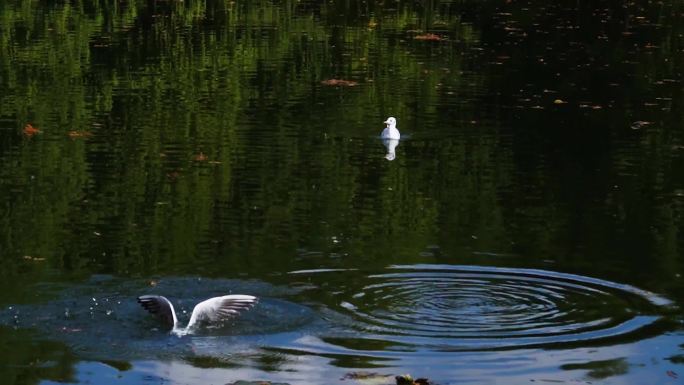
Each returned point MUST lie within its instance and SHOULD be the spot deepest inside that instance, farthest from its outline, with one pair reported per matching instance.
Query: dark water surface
(527, 230)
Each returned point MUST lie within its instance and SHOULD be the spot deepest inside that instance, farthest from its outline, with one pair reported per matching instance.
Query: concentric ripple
(465, 307)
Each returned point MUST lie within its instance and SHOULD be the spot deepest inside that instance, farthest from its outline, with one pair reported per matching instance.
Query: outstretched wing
(159, 306)
(221, 308)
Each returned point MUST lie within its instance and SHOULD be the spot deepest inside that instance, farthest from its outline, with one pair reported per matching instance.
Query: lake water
(525, 230)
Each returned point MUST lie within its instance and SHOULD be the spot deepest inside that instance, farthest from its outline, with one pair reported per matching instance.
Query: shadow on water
(41, 359)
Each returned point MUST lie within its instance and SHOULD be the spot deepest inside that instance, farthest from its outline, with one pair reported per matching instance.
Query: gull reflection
(391, 145)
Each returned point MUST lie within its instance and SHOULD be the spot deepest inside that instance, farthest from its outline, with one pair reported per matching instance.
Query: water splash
(100, 318)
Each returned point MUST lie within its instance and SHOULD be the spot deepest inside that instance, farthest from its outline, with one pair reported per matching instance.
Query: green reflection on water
(184, 131)
(197, 138)
(179, 136)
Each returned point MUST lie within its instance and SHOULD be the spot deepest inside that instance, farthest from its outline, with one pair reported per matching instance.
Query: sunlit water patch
(444, 308)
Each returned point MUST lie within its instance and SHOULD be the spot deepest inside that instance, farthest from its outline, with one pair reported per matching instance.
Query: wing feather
(221, 308)
(159, 306)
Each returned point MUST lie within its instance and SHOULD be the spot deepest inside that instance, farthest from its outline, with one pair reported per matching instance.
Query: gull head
(391, 122)
(390, 131)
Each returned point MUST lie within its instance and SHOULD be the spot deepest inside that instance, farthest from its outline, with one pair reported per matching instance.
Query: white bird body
(211, 310)
(390, 131)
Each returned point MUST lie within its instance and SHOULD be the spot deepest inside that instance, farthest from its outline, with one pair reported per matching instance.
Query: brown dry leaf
(339, 83)
(428, 37)
(79, 134)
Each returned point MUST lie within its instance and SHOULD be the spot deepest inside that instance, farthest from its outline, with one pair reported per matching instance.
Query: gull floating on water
(390, 137)
(212, 310)
(390, 131)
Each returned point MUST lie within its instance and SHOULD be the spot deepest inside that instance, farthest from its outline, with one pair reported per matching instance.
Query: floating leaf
(29, 130)
(339, 83)
(639, 124)
(428, 37)
(79, 134)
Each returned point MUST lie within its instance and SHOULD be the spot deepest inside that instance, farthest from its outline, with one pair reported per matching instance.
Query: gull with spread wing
(212, 310)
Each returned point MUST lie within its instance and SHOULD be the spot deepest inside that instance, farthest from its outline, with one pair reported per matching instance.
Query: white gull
(212, 310)
(390, 131)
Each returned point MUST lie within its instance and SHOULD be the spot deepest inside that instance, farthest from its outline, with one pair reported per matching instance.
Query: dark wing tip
(151, 303)
(159, 306)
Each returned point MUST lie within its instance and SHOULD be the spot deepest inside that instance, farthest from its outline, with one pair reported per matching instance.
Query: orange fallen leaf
(29, 130)
(200, 157)
(428, 37)
(339, 83)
